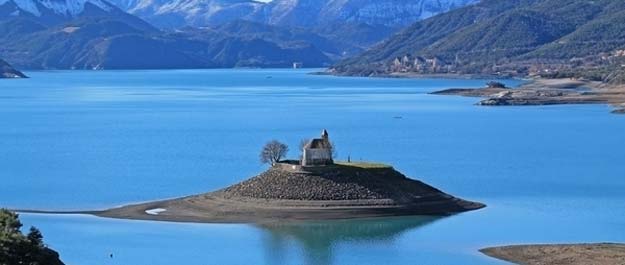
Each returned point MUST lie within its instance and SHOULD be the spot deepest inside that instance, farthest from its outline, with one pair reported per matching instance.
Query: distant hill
(40, 35)
(347, 39)
(102, 43)
(7, 71)
(522, 37)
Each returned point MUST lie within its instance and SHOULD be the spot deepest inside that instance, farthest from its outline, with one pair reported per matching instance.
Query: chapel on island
(318, 152)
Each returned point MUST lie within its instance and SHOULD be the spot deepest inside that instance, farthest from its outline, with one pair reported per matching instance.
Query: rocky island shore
(315, 187)
(289, 192)
(547, 92)
(565, 254)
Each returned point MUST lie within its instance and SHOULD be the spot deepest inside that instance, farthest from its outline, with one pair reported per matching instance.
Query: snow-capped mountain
(179, 13)
(304, 13)
(52, 12)
(96, 34)
(68, 8)
(390, 13)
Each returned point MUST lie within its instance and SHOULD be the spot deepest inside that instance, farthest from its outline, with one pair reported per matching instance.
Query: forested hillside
(522, 37)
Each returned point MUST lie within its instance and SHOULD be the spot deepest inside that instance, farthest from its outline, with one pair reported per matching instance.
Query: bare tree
(273, 151)
(303, 143)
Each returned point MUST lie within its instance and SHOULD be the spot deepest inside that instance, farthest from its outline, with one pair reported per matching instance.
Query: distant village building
(436, 63)
(318, 152)
(297, 65)
(417, 64)
(396, 65)
(406, 61)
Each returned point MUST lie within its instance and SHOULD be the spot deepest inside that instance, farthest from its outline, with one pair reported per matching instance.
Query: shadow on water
(317, 239)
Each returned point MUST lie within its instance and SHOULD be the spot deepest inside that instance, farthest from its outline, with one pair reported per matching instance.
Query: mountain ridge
(94, 34)
(570, 38)
(46, 35)
(111, 43)
(292, 13)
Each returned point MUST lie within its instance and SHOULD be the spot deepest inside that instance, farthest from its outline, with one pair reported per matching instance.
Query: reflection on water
(317, 239)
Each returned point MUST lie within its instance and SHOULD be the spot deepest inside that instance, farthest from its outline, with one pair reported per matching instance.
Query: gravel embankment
(332, 192)
(337, 183)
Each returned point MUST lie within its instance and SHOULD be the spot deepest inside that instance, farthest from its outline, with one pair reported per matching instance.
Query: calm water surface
(91, 140)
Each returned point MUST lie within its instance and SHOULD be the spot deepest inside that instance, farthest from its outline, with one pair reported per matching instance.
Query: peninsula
(546, 92)
(313, 188)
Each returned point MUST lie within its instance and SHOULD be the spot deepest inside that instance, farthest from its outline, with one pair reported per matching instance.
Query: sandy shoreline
(213, 208)
(536, 91)
(339, 191)
(561, 254)
(216, 208)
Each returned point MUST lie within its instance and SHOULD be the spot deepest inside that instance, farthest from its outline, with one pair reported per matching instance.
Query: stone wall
(317, 157)
(289, 167)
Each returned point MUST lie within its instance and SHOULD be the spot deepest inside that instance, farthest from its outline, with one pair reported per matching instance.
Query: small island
(312, 188)
(560, 254)
(7, 71)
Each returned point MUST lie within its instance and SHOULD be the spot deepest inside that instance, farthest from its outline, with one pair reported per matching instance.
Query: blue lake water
(74, 140)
